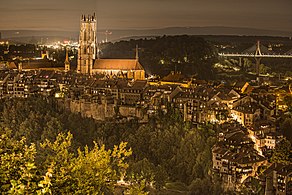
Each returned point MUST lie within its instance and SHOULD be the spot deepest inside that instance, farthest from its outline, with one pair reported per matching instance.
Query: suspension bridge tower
(258, 58)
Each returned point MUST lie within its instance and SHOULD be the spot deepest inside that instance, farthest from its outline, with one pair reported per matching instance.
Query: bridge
(258, 52)
(255, 56)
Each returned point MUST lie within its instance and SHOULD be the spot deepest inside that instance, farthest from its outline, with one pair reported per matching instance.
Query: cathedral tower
(87, 44)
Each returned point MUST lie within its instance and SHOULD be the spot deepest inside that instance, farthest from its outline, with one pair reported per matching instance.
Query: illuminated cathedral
(89, 63)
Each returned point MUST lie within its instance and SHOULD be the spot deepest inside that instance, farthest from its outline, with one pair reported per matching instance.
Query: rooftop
(117, 64)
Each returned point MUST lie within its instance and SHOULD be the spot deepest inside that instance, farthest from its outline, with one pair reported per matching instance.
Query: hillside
(121, 34)
(191, 55)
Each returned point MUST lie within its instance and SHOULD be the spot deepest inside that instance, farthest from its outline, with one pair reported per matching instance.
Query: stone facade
(87, 44)
(102, 110)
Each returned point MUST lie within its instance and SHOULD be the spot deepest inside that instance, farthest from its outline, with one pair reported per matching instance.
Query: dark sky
(137, 14)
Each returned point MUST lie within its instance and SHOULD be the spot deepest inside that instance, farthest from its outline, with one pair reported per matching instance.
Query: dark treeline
(190, 55)
(166, 152)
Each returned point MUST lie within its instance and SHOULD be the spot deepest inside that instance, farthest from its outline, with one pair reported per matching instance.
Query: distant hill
(37, 36)
(7, 34)
(120, 34)
(198, 31)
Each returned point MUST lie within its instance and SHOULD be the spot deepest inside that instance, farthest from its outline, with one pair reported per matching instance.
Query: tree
(18, 172)
(200, 186)
(188, 54)
(282, 152)
(204, 186)
(288, 102)
(142, 169)
(99, 169)
(58, 157)
(286, 127)
(137, 188)
(164, 150)
(247, 64)
(92, 171)
(51, 129)
(160, 177)
(89, 172)
(253, 186)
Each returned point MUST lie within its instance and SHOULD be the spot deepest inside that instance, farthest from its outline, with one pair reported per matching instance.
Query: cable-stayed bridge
(254, 56)
(258, 52)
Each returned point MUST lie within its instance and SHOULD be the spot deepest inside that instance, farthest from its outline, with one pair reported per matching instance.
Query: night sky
(143, 14)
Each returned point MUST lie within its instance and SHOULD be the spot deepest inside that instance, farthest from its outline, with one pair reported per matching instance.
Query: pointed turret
(137, 52)
(67, 63)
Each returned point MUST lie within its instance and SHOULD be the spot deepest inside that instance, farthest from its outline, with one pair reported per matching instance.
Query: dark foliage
(164, 150)
(190, 55)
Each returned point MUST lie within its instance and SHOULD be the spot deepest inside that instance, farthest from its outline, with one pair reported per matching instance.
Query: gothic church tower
(87, 44)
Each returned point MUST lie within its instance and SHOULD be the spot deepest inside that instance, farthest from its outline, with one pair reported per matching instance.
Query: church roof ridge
(118, 64)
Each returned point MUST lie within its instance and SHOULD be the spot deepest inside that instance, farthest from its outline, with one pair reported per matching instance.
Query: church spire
(67, 56)
(137, 52)
(67, 63)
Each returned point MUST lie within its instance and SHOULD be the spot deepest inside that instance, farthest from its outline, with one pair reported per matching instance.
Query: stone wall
(101, 111)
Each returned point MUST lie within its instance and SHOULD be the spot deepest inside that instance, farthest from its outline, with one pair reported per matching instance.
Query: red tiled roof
(117, 64)
(40, 64)
(12, 65)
